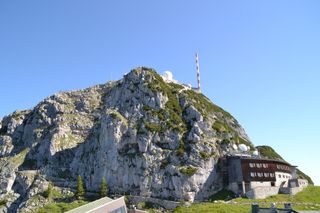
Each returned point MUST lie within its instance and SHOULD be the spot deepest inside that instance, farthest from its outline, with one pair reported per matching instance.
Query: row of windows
(261, 174)
(284, 176)
(302, 183)
(283, 167)
(258, 165)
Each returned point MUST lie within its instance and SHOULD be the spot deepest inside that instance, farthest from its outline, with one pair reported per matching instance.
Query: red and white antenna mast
(198, 72)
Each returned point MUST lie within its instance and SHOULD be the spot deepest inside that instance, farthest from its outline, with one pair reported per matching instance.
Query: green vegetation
(19, 158)
(214, 207)
(19, 114)
(304, 176)
(307, 199)
(222, 195)
(61, 207)
(68, 140)
(268, 152)
(204, 155)
(49, 191)
(204, 105)
(152, 127)
(103, 188)
(173, 112)
(3, 202)
(221, 127)
(145, 205)
(80, 190)
(164, 164)
(224, 127)
(116, 115)
(181, 150)
(188, 170)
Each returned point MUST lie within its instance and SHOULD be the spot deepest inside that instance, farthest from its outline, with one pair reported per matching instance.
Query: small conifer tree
(103, 189)
(80, 191)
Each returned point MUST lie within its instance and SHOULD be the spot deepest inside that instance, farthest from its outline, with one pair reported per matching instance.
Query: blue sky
(259, 60)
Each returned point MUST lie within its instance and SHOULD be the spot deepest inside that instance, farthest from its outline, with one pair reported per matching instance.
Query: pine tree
(80, 190)
(103, 189)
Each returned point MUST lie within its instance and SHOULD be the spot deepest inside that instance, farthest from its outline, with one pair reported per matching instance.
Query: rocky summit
(144, 135)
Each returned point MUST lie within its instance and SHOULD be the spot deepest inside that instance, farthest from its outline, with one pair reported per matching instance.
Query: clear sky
(259, 60)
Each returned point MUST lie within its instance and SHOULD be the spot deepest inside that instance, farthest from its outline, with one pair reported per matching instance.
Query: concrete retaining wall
(262, 192)
(291, 191)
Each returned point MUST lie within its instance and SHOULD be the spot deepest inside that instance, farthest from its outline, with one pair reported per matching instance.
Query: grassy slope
(214, 207)
(268, 152)
(308, 199)
(61, 207)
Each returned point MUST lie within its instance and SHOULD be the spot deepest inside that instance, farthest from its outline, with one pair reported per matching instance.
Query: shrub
(48, 192)
(181, 149)
(188, 170)
(3, 202)
(152, 127)
(103, 188)
(204, 155)
(164, 164)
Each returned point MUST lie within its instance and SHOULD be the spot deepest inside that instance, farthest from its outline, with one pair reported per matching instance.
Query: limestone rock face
(143, 135)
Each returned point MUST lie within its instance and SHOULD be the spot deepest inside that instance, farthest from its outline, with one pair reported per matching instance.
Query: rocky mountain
(144, 135)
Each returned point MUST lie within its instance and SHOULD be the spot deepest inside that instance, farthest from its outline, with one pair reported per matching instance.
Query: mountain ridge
(144, 135)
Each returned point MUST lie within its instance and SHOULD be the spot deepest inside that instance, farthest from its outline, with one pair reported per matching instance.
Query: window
(252, 165)
(279, 176)
(265, 165)
(259, 174)
(266, 174)
(252, 174)
(271, 175)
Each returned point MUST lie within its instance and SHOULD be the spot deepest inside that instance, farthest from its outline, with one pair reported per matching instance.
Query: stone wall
(262, 192)
(291, 191)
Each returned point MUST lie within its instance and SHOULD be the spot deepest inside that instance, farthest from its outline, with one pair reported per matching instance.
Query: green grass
(214, 207)
(152, 127)
(205, 155)
(204, 105)
(311, 195)
(268, 152)
(116, 115)
(173, 110)
(19, 158)
(188, 170)
(3, 202)
(164, 164)
(222, 195)
(61, 207)
(304, 176)
(308, 199)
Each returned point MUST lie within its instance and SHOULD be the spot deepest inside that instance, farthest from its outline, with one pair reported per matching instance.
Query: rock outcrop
(143, 135)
